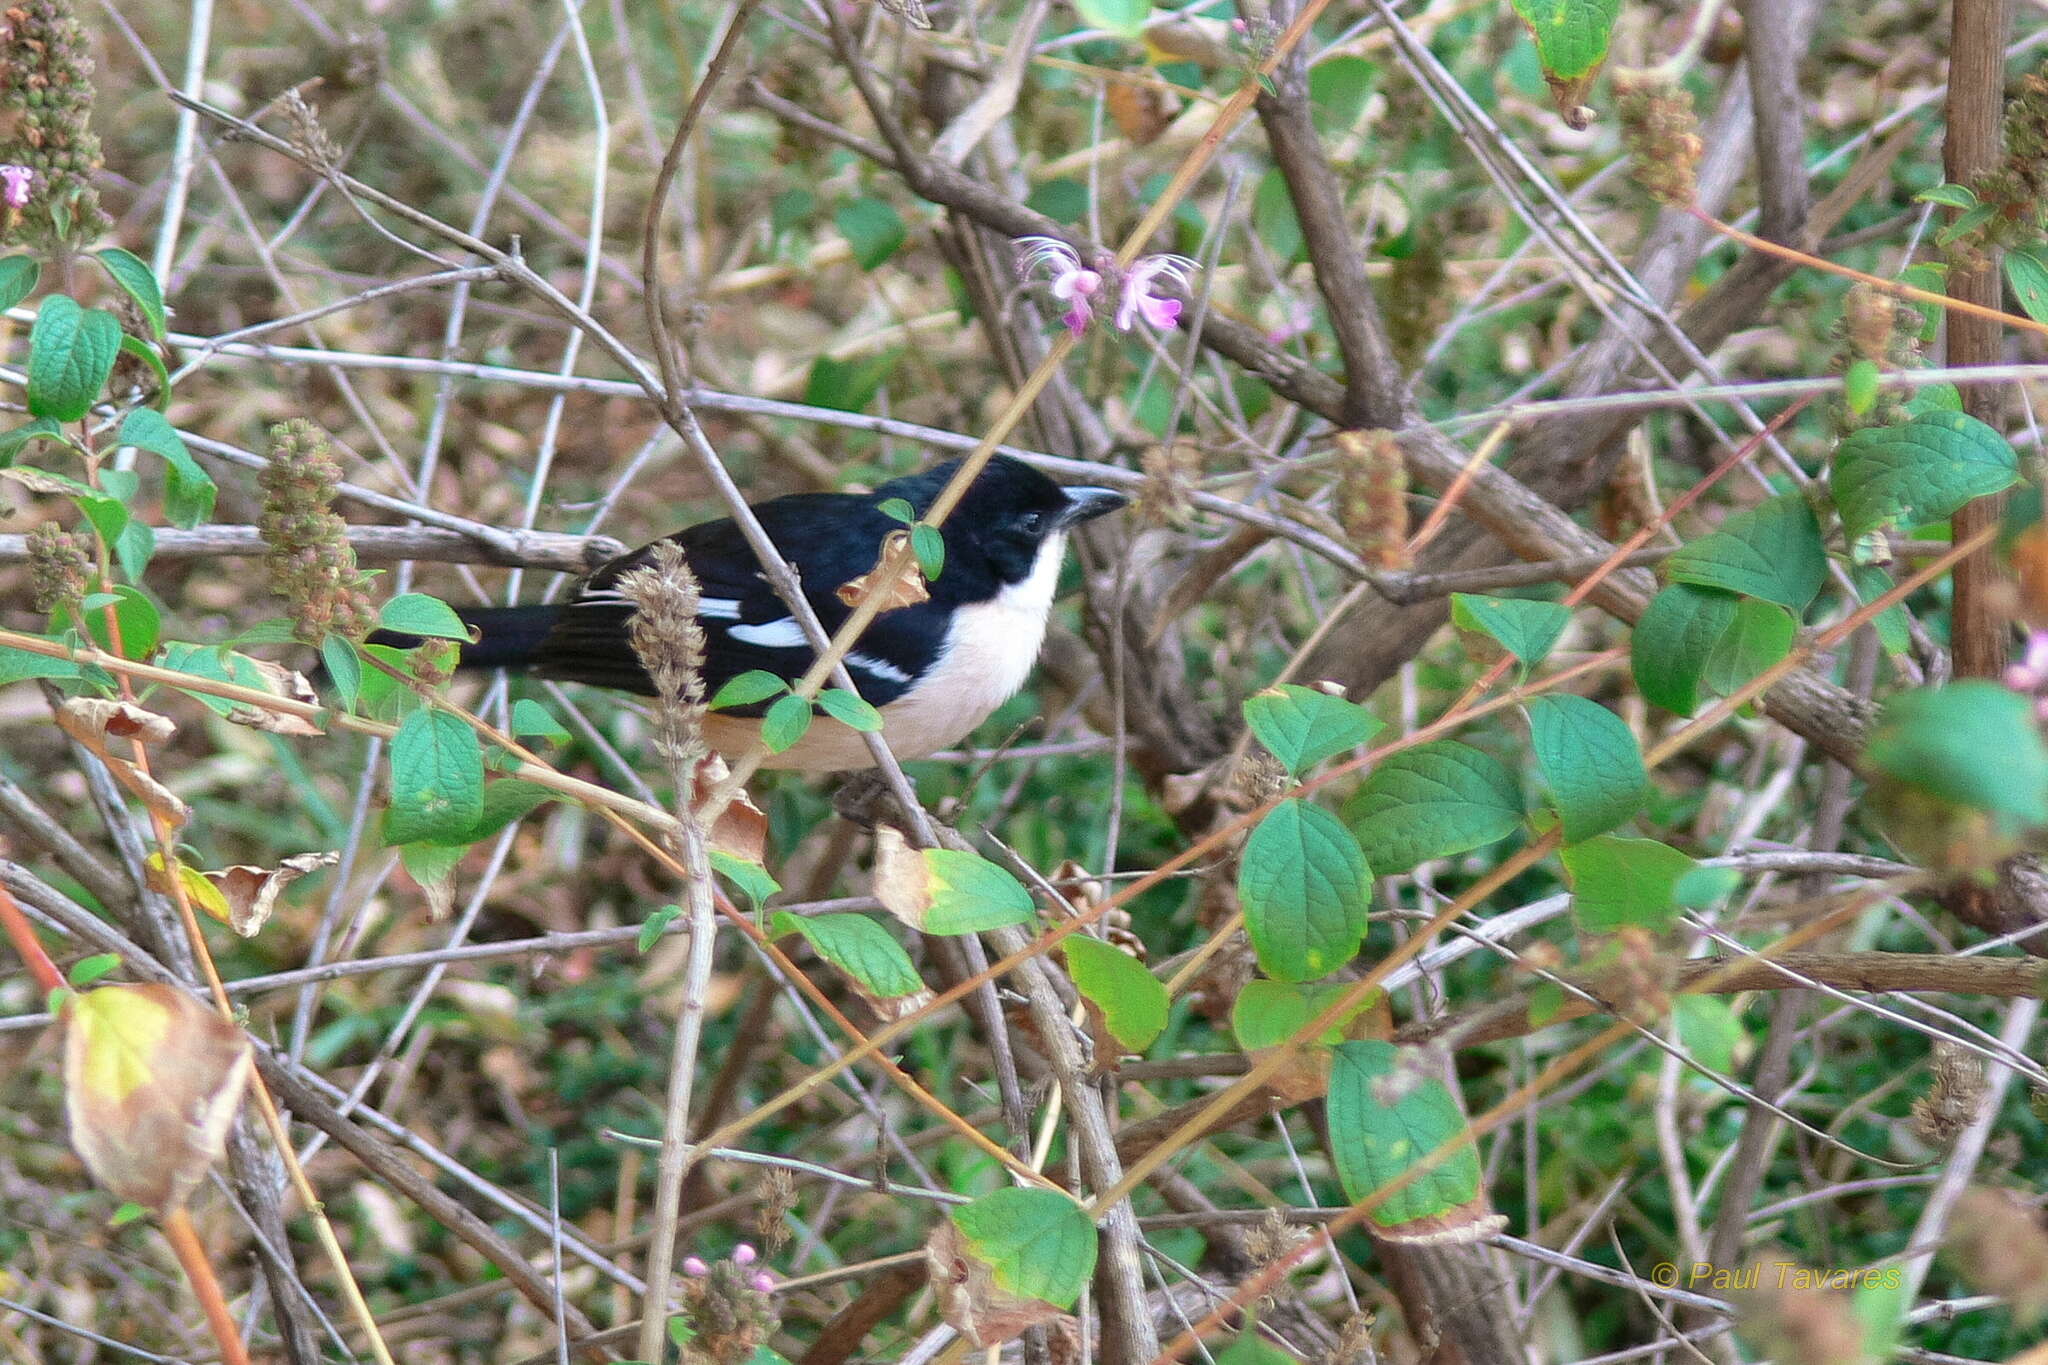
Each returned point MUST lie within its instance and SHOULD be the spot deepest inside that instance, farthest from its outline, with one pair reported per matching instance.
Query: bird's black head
(1007, 516)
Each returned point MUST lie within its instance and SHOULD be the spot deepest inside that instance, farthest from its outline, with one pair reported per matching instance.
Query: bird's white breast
(987, 655)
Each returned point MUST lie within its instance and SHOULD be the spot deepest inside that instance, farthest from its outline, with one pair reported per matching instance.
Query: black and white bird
(934, 670)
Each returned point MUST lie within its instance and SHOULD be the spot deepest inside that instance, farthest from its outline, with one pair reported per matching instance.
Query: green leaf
(1972, 743)
(138, 283)
(850, 385)
(1526, 628)
(1590, 758)
(2026, 271)
(970, 894)
(897, 509)
(1132, 1000)
(153, 359)
(437, 779)
(1950, 196)
(531, 720)
(1251, 1349)
(1624, 883)
(19, 665)
(1274, 220)
(929, 546)
(70, 353)
(109, 516)
(344, 668)
(1301, 726)
(1038, 1243)
(1338, 88)
(1969, 222)
(858, 946)
(1705, 887)
(1571, 35)
(1709, 1029)
(1891, 624)
(1860, 385)
(748, 688)
(1921, 471)
(1773, 551)
(219, 664)
(1306, 889)
(87, 970)
(1879, 1304)
(1674, 640)
(1935, 398)
(433, 865)
(850, 710)
(188, 489)
(872, 228)
(40, 429)
(18, 275)
(752, 879)
(134, 548)
(1761, 635)
(506, 800)
(136, 616)
(1388, 1110)
(1126, 18)
(1431, 801)
(1270, 1013)
(417, 613)
(655, 925)
(786, 722)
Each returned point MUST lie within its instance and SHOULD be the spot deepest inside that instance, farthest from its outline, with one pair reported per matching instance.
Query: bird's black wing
(829, 537)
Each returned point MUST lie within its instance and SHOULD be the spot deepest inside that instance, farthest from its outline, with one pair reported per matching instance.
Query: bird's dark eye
(1032, 523)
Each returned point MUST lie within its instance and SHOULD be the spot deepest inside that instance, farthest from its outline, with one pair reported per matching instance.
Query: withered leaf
(970, 1300)
(99, 724)
(742, 828)
(901, 880)
(251, 892)
(906, 585)
(281, 682)
(152, 1078)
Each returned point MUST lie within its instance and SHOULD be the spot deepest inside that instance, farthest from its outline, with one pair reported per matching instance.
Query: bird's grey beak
(1086, 504)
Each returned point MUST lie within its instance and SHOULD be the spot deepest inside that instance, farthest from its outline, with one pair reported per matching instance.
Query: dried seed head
(46, 90)
(1662, 135)
(58, 568)
(777, 1194)
(1870, 322)
(2017, 188)
(1954, 1094)
(304, 133)
(311, 563)
(670, 646)
(1372, 496)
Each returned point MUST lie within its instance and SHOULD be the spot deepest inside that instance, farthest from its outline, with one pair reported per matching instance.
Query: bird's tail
(507, 637)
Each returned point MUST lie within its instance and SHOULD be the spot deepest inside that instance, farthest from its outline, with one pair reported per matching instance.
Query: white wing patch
(782, 633)
(880, 668)
(719, 608)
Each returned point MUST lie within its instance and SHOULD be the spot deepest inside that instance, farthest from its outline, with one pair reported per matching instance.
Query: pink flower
(694, 1266)
(764, 1282)
(2031, 672)
(743, 1254)
(15, 182)
(1139, 301)
(1073, 283)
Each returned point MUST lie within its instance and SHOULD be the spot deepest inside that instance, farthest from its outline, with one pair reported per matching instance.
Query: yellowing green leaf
(1130, 1000)
(1623, 883)
(1039, 1243)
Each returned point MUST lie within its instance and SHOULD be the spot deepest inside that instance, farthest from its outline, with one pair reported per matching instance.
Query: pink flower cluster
(2030, 674)
(1077, 284)
(742, 1255)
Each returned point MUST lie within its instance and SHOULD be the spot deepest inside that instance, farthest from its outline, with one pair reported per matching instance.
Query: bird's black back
(829, 538)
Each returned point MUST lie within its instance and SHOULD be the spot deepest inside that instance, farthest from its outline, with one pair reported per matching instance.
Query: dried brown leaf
(906, 585)
(98, 724)
(742, 828)
(251, 892)
(901, 879)
(152, 1079)
(281, 682)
